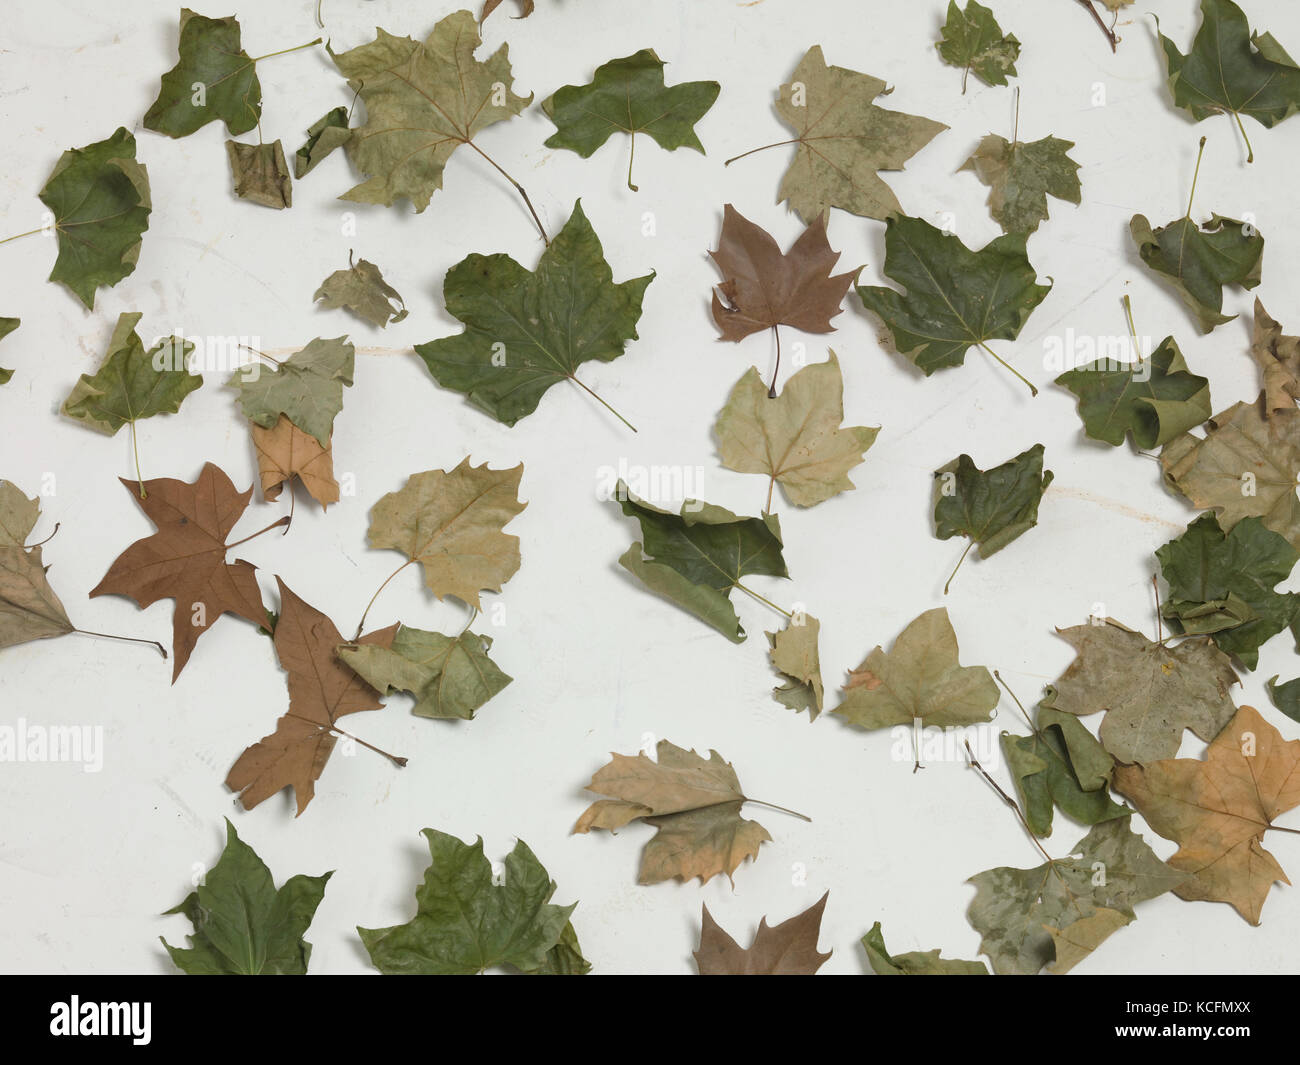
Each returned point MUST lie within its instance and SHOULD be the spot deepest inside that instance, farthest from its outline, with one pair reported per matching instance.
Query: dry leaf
(788, 949)
(285, 452)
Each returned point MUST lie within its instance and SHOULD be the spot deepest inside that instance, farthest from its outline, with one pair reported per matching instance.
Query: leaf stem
(964, 75)
(760, 598)
(776, 371)
(135, 448)
(286, 51)
(1023, 712)
(274, 525)
(783, 809)
(132, 639)
(473, 613)
(771, 484)
(763, 148)
(955, 568)
(1110, 34)
(973, 763)
(1250, 152)
(41, 543)
(918, 733)
(1195, 174)
(631, 154)
(518, 188)
(395, 759)
(1015, 129)
(1027, 383)
(602, 403)
(1132, 329)
(1160, 628)
(365, 613)
(30, 232)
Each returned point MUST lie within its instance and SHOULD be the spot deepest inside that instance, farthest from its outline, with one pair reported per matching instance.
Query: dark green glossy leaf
(214, 78)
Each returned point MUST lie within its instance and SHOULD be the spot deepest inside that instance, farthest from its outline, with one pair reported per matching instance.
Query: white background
(88, 861)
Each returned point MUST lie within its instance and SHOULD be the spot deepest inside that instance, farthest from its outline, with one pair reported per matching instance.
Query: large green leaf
(972, 39)
(526, 331)
(1155, 399)
(307, 388)
(214, 78)
(697, 557)
(956, 298)
(132, 383)
(99, 196)
(467, 920)
(629, 94)
(243, 925)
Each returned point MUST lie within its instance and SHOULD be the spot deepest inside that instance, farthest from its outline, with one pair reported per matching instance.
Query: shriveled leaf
(327, 133)
(1150, 691)
(793, 652)
(307, 387)
(1201, 261)
(467, 921)
(362, 290)
(260, 173)
(243, 924)
(629, 95)
(452, 524)
(321, 690)
(450, 676)
(795, 439)
(919, 678)
(787, 949)
(286, 452)
(843, 138)
(132, 383)
(916, 962)
(693, 802)
(185, 560)
(1020, 912)
(1278, 358)
(526, 331)
(956, 298)
(424, 99)
(1155, 399)
(696, 557)
(214, 78)
(99, 196)
(972, 39)
(1218, 810)
(1021, 176)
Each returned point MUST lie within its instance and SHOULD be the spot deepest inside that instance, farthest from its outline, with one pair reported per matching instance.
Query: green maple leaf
(243, 925)
(362, 290)
(7, 326)
(956, 298)
(1230, 70)
(1062, 765)
(328, 132)
(1155, 399)
(526, 331)
(424, 99)
(307, 388)
(992, 507)
(629, 94)
(1223, 585)
(467, 921)
(450, 676)
(915, 962)
(696, 557)
(1060, 911)
(260, 173)
(214, 78)
(1021, 176)
(99, 196)
(972, 39)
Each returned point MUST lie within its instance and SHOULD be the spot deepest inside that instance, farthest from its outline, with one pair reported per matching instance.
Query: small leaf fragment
(793, 652)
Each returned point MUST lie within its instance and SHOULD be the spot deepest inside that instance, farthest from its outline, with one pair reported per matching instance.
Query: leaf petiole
(132, 639)
(1027, 383)
(760, 598)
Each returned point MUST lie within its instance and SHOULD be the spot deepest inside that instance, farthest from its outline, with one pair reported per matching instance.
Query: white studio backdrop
(89, 860)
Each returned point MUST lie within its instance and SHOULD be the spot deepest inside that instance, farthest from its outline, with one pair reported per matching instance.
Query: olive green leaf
(1023, 915)
(243, 924)
(1245, 466)
(843, 139)
(955, 297)
(214, 78)
(565, 958)
(1286, 696)
(1230, 70)
(915, 962)
(424, 99)
(697, 557)
(361, 289)
(328, 132)
(1150, 691)
(991, 507)
(1155, 399)
(1278, 357)
(793, 652)
(1223, 585)
(629, 94)
(99, 196)
(795, 439)
(525, 8)
(467, 920)
(29, 607)
(307, 388)
(1061, 765)
(921, 679)
(526, 331)
(1201, 261)
(450, 676)
(260, 173)
(7, 326)
(972, 39)
(1021, 176)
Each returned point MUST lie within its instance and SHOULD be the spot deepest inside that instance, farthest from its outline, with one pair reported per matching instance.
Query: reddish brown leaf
(789, 949)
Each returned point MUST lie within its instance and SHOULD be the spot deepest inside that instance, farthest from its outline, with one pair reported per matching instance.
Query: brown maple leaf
(185, 559)
(285, 452)
(789, 949)
(321, 690)
(1218, 810)
(763, 288)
